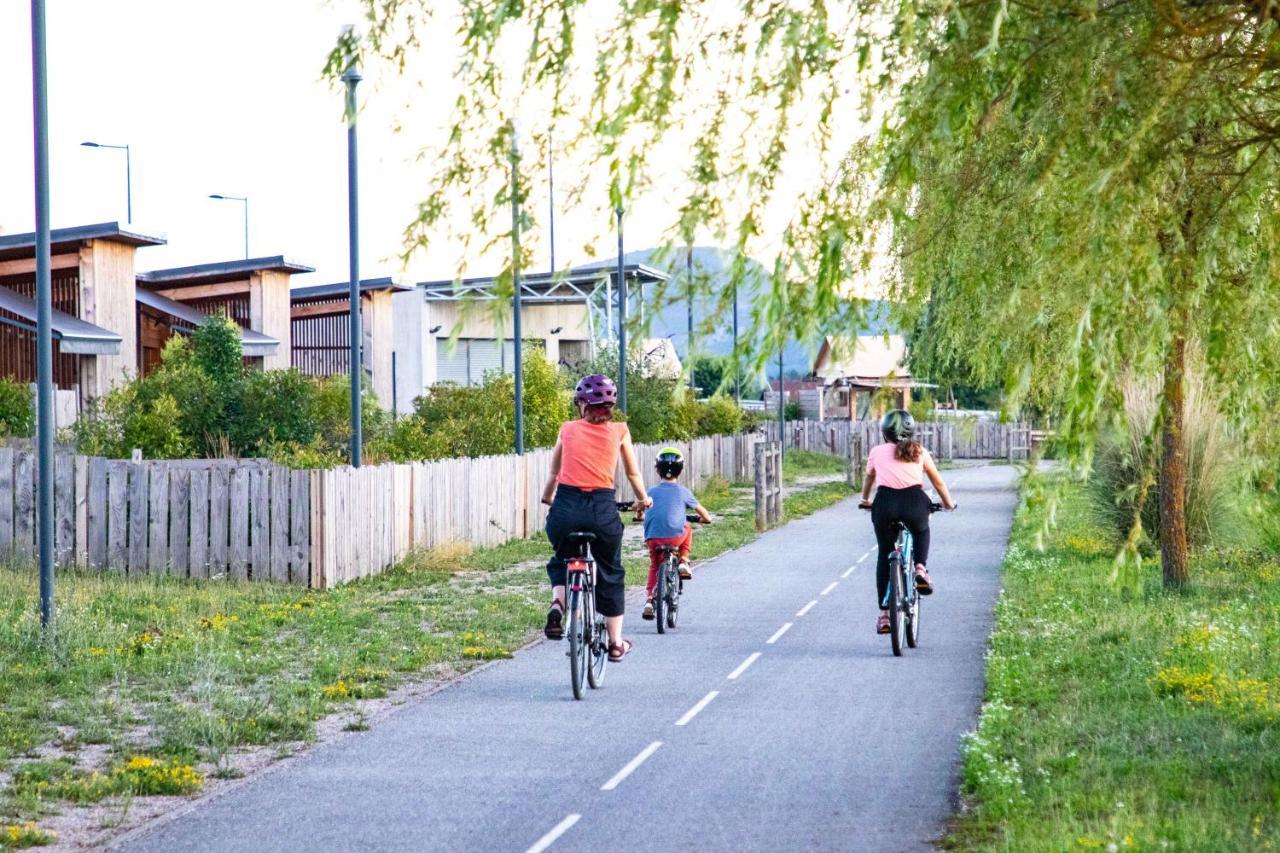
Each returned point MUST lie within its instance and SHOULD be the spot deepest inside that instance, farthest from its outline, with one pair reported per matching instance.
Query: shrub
(1215, 514)
(217, 349)
(719, 415)
(17, 408)
(273, 406)
(792, 411)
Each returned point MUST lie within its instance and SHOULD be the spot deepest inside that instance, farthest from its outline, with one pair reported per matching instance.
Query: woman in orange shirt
(581, 493)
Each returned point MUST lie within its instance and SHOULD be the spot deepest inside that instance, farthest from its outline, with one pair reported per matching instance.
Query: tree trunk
(1173, 462)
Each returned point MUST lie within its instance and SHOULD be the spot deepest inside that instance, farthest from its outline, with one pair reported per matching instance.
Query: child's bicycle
(588, 639)
(666, 595)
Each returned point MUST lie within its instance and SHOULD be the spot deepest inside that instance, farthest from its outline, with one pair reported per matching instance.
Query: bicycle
(902, 599)
(588, 639)
(666, 596)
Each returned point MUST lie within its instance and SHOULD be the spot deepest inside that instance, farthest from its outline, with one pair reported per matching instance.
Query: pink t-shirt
(893, 472)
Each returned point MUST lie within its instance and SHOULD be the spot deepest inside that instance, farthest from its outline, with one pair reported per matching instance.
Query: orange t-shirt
(589, 453)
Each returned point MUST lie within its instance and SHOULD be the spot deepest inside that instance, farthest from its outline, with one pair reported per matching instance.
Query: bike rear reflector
(576, 565)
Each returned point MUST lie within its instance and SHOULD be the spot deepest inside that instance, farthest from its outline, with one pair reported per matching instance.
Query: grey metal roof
(572, 285)
(221, 271)
(339, 289)
(23, 245)
(252, 343)
(74, 336)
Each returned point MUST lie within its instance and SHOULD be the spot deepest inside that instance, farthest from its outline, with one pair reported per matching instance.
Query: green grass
(807, 463)
(1147, 723)
(157, 684)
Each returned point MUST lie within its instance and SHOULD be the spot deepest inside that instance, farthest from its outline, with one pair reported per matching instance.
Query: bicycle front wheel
(599, 652)
(897, 605)
(577, 644)
(913, 617)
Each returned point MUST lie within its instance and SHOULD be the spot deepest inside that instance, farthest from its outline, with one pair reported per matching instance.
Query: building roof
(221, 271)
(252, 343)
(342, 289)
(74, 336)
(64, 239)
(867, 357)
(572, 285)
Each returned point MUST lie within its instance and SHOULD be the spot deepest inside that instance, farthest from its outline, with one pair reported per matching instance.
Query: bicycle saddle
(582, 537)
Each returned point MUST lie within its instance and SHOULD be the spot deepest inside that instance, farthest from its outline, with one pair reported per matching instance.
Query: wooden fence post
(761, 474)
(856, 460)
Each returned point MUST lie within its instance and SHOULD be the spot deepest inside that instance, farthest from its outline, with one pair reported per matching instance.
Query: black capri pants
(595, 511)
(909, 506)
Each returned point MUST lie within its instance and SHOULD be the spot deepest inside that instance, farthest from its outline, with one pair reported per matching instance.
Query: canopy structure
(579, 284)
(252, 343)
(74, 336)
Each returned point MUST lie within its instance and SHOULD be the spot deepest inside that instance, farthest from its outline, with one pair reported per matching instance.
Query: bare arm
(702, 513)
(632, 469)
(941, 487)
(549, 490)
(868, 483)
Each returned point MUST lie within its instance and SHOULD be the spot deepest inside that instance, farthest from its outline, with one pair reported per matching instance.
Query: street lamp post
(351, 77)
(515, 288)
(622, 321)
(128, 173)
(688, 346)
(244, 200)
(44, 312)
(782, 406)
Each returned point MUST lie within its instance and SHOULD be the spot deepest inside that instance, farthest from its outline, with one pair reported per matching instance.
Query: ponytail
(907, 450)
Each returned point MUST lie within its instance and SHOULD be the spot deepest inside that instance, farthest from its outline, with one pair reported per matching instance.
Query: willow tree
(1076, 189)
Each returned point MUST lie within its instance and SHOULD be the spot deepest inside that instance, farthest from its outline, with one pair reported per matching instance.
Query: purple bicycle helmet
(596, 390)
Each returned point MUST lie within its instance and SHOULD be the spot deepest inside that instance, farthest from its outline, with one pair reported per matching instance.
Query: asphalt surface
(824, 741)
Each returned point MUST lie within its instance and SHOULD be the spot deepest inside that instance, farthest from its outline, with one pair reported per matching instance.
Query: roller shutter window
(451, 362)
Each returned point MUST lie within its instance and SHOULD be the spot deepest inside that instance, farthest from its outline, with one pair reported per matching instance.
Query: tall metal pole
(737, 370)
(128, 183)
(688, 344)
(515, 287)
(551, 180)
(44, 313)
(622, 321)
(246, 229)
(782, 407)
(352, 77)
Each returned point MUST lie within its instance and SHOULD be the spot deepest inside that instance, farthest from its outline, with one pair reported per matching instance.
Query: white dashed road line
(631, 766)
(830, 587)
(693, 712)
(777, 635)
(864, 556)
(803, 610)
(550, 838)
(849, 571)
(742, 667)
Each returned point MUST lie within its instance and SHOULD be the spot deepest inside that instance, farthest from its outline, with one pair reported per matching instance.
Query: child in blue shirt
(665, 523)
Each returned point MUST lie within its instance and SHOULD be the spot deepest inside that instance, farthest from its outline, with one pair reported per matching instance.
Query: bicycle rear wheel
(673, 592)
(897, 605)
(660, 597)
(913, 616)
(577, 644)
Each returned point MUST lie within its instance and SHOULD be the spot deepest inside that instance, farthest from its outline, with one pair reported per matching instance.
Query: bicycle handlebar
(695, 519)
(934, 506)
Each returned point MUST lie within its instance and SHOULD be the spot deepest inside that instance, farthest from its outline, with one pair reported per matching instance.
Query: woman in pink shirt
(898, 467)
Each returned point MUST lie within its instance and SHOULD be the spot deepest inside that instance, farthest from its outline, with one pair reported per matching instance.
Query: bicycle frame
(906, 554)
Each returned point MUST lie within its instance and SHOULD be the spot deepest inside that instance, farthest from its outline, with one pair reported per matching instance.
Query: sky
(227, 98)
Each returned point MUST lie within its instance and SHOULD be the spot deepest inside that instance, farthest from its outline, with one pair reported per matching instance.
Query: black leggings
(909, 506)
(589, 511)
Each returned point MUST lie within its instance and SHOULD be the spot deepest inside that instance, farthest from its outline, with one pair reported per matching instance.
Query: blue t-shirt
(665, 518)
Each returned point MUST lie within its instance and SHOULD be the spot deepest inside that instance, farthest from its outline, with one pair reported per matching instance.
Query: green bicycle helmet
(898, 426)
(670, 463)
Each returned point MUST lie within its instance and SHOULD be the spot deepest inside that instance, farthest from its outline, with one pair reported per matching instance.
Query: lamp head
(90, 145)
(557, 330)
(434, 329)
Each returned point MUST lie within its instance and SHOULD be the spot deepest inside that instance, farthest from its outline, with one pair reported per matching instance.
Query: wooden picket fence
(944, 439)
(254, 520)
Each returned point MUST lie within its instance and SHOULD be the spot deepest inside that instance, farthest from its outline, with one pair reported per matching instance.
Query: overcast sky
(222, 98)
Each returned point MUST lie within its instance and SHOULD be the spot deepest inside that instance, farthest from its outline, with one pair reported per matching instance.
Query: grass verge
(151, 686)
(1147, 723)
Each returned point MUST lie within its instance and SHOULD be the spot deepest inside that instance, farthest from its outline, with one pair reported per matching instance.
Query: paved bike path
(824, 741)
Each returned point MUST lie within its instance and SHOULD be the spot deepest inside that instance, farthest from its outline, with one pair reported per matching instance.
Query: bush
(719, 415)
(17, 409)
(792, 411)
(1215, 514)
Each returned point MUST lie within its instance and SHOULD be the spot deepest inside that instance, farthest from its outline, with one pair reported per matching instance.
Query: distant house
(860, 377)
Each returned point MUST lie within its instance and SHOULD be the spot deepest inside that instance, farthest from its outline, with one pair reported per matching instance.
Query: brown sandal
(618, 651)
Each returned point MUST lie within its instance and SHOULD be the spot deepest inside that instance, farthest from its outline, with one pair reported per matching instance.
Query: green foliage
(17, 409)
(216, 346)
(792, 411)
(712, 374)
(719, 415)
(1216, 486)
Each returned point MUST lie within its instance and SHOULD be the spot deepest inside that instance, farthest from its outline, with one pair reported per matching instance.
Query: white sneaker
(686, 571)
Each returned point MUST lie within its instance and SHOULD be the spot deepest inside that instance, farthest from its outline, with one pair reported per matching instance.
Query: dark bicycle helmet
(670, 463)
(898, 426)
(596, 390)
